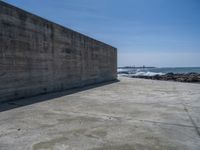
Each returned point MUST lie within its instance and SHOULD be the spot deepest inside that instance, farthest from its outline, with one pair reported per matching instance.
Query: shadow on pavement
(7, 105)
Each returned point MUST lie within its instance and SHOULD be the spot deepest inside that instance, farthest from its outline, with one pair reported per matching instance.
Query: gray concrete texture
(38, 56)
(133, 114)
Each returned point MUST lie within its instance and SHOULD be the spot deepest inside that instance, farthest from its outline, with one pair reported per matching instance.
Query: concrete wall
(38, 56)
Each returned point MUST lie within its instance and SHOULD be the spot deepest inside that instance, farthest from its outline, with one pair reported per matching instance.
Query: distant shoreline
(152, 71)
(140, 67)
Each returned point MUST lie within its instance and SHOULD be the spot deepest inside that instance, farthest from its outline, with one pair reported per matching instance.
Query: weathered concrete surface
(133, 114)
(38, 56)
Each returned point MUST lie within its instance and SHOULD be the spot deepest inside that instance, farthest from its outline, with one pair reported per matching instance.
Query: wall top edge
(2, 3)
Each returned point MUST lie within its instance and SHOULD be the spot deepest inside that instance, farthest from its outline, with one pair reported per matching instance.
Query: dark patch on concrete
(80, 119)
(51, 144)
(97, 133)
(134, 147)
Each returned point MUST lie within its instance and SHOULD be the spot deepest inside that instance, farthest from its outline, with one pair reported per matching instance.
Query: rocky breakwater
(180, 77)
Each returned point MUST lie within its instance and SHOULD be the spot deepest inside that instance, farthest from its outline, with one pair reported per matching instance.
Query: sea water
(156, 71)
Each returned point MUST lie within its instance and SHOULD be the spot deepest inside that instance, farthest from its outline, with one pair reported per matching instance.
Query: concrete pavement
(133, 114)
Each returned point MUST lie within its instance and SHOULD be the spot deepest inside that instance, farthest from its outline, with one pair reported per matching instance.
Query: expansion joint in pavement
(191, 120)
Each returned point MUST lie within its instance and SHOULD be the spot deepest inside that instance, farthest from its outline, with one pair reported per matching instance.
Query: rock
(157, 77)
(180, 77)
(170, 74)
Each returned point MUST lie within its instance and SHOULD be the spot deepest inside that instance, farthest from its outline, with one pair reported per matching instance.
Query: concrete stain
(51, 144)
(115, 147)
(100, 133)
(96, 134)
(133, 147)
(78, 132)
(80, 119)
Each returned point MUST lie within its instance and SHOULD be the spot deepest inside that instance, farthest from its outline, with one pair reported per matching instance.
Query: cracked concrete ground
(133, 114)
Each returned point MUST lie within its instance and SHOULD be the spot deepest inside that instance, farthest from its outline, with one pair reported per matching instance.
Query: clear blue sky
(146, 32)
